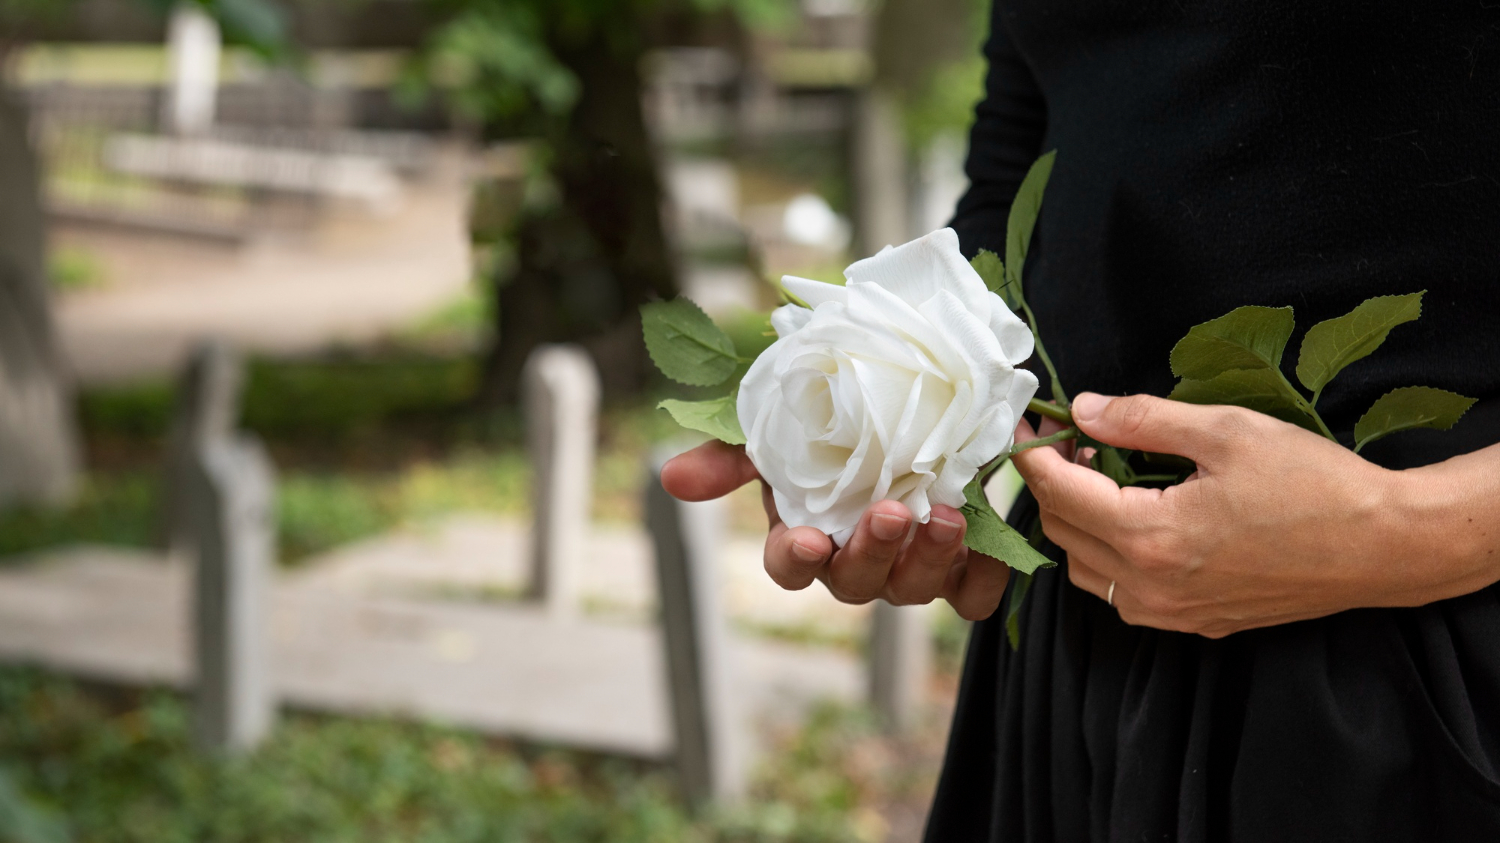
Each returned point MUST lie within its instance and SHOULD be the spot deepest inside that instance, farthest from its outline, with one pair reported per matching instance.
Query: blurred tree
(38, 442)
(590, 245)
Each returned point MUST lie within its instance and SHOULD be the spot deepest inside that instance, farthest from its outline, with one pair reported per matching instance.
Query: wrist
(1440, 545)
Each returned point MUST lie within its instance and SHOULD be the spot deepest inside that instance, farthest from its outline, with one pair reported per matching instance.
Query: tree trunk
(38, 448)
(584, 267)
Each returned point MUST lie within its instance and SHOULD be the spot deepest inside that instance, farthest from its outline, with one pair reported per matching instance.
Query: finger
(859, 570)
(917, 576)
(1050, 426)
(1086, 548)
(1148, 423)
(768, 501)
(1076, 493)
(795, 556)
(975, 586)
(711, 470)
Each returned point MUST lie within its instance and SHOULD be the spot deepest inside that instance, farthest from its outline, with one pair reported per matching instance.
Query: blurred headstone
(194, 45)
(232, 501)
(561, 394)
(878, 160)
(38, 443)
(900, 664)
(710, 741)
(207, 410)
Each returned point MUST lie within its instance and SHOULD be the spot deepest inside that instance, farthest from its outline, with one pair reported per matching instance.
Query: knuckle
(1233, 424)
(1133, 413)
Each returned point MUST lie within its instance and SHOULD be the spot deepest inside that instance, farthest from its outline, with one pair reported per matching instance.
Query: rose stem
(1041, 352)
(1051, 411)
(1060, 436)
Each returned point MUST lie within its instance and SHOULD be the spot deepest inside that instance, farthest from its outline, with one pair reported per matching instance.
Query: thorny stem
(1060, 436)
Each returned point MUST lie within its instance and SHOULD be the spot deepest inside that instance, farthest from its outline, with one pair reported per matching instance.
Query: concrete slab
(123, 617)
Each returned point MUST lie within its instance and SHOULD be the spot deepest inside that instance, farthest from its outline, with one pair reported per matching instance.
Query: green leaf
(1261, 390)
(716, 417)
(1408, 408)
(989, 534)
(686, 345)
(1244, 338)
(989, 267)
(1330, 346)
(1018, 590)
(1023, 213)
(1113, 463)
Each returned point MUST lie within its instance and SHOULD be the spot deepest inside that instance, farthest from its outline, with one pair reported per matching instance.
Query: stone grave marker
(711, 742)
(231, 494)
(900, 664)
(561, 395)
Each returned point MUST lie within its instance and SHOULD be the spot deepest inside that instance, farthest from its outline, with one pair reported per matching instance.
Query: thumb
(1148, 423)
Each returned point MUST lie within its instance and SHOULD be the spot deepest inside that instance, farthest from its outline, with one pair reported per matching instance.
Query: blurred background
(327, 430)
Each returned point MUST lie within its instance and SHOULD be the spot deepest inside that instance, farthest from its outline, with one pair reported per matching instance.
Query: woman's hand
(876, 563)
(1276, 525)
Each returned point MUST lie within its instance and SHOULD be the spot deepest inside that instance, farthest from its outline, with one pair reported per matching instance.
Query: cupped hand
(877, 562)
(1276, 525)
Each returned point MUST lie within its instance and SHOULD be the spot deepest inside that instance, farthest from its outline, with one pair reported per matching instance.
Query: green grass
(118, 767)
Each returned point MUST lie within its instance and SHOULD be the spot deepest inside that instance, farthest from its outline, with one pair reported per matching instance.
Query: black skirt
(1369, 725)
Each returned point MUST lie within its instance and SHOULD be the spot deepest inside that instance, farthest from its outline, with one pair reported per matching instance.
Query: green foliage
(1409, 408)
(989, 267)
(1024, 210)
(496, 62)
(1236, 360)
(117, 510)
(1020, 586)
(1245, 338)
(22, 820)
(716, 417)
(70, 269)
(988, 533)
(124, 769)
(1261, 390)
(686, 345)
(1331, 345)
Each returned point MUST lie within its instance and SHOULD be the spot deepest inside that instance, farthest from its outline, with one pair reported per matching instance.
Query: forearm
(1445, 528)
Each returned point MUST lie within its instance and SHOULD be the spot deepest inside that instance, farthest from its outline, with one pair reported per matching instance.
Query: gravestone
(900, 664)
(711, 746)
(561, 395)
(207, 410)
(38, 444)
(231, 500)
(193, 49)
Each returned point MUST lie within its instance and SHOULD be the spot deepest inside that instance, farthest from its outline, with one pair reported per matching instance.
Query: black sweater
(1310, 153)
(1215, 153)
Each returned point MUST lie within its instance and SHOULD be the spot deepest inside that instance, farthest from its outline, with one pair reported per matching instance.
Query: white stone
(232, 498)
(900, 664)
(194, 45)
(710, 734)
(561, 394)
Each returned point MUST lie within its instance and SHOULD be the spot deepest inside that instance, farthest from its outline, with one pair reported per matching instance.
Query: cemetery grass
(114, 765)
(363, 443)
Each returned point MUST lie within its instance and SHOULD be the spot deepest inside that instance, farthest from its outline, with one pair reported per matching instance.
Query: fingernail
(1089, 406)
(888, 528)
(806, 554)
(942, 531)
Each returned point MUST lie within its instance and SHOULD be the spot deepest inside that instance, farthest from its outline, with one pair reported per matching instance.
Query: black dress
(1214, 153)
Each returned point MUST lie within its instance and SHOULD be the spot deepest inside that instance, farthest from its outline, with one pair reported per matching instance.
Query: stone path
(354, 279)
(354, 641)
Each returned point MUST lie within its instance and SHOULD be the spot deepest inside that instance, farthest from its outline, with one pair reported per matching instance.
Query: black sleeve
(1009, 124)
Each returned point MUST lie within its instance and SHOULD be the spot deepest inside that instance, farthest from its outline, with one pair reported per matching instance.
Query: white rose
(898, 386)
